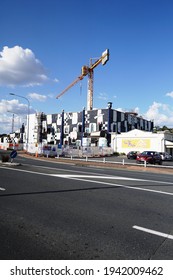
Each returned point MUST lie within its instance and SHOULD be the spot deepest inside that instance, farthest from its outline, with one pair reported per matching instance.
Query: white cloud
(170, 94)
(120, 109)
(51, 95)
(20, 67)
(38, 97)
(56, 80)
(14, 106)
(162, 114)
(134, 110)
(7, 109)
(103, 96)
(6, 123)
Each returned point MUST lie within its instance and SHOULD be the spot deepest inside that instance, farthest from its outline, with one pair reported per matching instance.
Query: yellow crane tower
(88, 71)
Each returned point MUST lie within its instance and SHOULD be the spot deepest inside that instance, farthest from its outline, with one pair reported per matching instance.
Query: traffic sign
(13, 154)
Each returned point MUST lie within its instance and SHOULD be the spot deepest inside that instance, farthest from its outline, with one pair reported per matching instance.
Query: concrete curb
(10, 163)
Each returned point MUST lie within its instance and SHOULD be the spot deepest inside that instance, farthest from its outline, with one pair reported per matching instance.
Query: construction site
(89, 129)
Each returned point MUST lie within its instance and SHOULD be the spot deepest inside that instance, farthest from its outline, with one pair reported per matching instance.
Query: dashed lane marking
(2, 189)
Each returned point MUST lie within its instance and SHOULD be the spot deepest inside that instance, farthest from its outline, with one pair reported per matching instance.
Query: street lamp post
(27, 140)
(12, 127)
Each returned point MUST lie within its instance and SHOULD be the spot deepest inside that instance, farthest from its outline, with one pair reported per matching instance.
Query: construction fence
(78, 151)
(55, 151)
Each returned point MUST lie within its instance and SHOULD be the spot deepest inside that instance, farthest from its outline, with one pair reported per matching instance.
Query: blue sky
(45, 43)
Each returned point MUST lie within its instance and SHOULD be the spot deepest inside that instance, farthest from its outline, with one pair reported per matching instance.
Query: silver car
(166, 156)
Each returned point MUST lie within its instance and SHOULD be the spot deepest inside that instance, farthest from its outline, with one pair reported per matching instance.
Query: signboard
(136, 143)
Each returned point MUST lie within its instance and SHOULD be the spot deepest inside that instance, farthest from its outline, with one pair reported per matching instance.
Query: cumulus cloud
(38, 97)
(6, 122)
(7, 109)
(20, 67)
(14, 106)
(161, 113)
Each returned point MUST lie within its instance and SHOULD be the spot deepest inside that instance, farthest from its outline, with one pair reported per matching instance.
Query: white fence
(123, 162)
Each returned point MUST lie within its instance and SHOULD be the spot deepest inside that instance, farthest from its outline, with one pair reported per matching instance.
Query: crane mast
(90, 72)
(90, 89)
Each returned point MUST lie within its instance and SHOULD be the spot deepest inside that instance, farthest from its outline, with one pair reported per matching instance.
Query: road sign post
(13, 155)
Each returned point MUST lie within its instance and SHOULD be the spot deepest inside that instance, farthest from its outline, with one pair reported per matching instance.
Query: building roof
(169, 144)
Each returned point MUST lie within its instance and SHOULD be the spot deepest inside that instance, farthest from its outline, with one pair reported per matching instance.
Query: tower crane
(90, 72)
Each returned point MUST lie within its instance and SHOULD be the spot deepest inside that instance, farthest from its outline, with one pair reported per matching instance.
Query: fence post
(123, 161)
(104, 160)
(145, 163)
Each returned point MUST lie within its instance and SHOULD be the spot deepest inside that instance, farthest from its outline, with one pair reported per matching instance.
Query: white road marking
(169, 236)
(83, 172)
(72, 177)
(122, 186)
(2, 189)
(94, 176)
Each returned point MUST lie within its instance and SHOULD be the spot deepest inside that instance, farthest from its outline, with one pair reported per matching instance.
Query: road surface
(63, 211)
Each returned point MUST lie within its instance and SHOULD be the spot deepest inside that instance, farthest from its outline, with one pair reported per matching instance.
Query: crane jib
(88, 71)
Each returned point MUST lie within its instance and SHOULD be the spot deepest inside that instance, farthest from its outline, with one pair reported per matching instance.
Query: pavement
(10, 161)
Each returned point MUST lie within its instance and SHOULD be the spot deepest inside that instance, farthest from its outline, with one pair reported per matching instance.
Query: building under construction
(85, 128)
(90, 127)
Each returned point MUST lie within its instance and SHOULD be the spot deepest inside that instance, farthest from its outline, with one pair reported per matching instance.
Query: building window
(66, 129)
(79, 127)
(92, 127)
(100, 126)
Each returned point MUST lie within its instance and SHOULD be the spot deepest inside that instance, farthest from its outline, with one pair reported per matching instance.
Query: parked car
(151, 157)
(132, 154)
(166, 156)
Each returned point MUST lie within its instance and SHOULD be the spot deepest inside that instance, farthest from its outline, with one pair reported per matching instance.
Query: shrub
(5, 158)
(116, 154)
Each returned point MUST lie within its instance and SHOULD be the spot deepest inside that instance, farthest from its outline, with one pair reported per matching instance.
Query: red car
(150, 157)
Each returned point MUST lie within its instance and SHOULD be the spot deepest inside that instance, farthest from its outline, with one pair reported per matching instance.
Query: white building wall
(138, 140)
(33, 124)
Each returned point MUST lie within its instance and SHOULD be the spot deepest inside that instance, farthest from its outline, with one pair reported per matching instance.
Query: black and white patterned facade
(68, 128)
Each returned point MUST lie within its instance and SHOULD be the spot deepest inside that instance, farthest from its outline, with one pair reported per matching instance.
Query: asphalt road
(63, 211)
